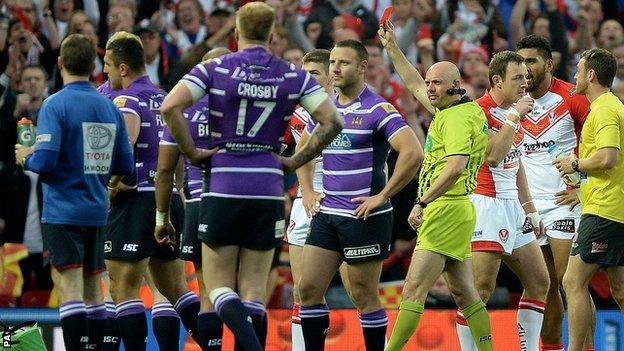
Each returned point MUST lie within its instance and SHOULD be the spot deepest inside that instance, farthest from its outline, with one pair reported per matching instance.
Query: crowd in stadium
(521, 62)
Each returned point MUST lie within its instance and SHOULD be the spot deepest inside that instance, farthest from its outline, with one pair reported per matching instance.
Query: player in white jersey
(557, 118)
(507, 221)
(310, 191)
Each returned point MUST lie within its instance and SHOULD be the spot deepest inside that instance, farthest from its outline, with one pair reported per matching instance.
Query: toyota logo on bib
(504, 235)
(98, 136)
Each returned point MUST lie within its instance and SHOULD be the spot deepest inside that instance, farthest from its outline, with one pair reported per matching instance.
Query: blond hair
(255, 21)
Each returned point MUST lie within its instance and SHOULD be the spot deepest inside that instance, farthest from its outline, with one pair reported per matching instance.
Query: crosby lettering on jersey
(252, 98)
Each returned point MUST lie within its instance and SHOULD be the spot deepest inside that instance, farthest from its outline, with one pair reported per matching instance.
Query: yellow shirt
(603, 192)
(461, 129)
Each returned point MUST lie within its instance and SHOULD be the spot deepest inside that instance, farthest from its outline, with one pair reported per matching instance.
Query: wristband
(511, 123)
(161, 217)
(527, 202)
(513, 111)
(535, 218)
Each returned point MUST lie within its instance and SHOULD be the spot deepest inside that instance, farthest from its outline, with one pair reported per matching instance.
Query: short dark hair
(127, 48)
(359, 48)
(500, 61)
(78, 54)
(318, 56)
(534, 42)
(603, 63)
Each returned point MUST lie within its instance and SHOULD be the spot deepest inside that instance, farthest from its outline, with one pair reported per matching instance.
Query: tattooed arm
(328, 125)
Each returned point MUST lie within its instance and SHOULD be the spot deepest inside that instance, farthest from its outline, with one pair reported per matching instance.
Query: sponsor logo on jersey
(120, 101)
(389, 108)
(537, 146)
(357, 121)
(341, 141)
(362, 251)
(599, 247)
(503, 234)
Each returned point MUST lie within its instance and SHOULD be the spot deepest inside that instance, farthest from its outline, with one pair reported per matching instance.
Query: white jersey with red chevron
(297, 125)
(557, 118)
(500, 181)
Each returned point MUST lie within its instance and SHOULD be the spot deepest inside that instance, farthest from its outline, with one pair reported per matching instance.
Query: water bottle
(558, 154)
(25, 132)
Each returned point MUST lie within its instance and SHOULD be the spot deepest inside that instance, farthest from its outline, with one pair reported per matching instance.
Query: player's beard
(536, 81)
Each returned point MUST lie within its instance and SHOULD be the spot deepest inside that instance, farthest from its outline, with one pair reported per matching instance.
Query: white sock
(298, 344)
(530, 318)
(463, 333)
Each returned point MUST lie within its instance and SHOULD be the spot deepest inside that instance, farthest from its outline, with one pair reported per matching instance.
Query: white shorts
(501, 225)
(299, 226)
(560, 222)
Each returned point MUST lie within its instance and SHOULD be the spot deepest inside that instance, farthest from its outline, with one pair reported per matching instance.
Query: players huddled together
(530, 174)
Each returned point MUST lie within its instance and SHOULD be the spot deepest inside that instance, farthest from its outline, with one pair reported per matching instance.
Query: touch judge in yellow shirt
(600, 239)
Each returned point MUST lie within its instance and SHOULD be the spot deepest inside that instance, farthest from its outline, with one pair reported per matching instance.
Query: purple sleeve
(390, 121)
(309, 87)
(199, 76)
(310, 125)
(128, 104)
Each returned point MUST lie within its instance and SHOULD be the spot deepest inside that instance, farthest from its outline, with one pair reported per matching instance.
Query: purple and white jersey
(143, 99)
(252, 97)
(197, 117)
(106, 90)
(354, 162)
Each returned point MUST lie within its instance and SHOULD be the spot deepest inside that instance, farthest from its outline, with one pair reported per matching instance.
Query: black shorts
(190, 245)
(70, 246)
(599, 241)
(130, 230)
(357, 240)
(254, 224)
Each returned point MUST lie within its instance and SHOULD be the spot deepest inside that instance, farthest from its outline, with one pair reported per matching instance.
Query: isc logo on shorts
(131, 247)
(187, 249)
(108, 246)
(362, 251)
(202, 228)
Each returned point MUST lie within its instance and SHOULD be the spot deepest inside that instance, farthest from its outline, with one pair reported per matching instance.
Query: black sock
(233, 313)
(166, 326)
(187, 307)
(374, 325)
(132, 324)
(315, 325)
(74, 324)
(209, 334)
(111, 337)
(257, 312)
(96, 320)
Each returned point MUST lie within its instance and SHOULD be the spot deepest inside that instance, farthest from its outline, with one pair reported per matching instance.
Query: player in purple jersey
(252, 96)
(131, 247)
(355, 220)
(210, 327)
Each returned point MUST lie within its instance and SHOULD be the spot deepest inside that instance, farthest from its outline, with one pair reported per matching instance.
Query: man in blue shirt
(81, 142)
